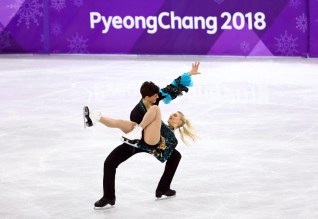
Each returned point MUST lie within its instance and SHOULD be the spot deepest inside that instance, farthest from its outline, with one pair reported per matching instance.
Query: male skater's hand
(195, 68)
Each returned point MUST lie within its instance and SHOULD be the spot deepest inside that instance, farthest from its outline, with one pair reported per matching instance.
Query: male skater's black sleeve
(137, 114)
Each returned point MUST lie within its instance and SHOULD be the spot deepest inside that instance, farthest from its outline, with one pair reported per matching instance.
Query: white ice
(257, 119)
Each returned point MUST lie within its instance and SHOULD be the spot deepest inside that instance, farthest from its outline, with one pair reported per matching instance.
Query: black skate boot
(105, 201)
(168, 193)
(87, 121)
(90, 118)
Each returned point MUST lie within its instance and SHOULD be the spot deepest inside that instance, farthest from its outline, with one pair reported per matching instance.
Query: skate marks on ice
(257, 157)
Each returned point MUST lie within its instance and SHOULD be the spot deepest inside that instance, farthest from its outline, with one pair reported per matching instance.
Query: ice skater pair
(157, 138)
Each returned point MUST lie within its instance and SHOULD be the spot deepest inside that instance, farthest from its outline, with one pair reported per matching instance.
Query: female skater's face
(175, 120)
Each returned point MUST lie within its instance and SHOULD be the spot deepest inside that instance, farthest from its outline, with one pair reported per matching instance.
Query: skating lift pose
(147, 133)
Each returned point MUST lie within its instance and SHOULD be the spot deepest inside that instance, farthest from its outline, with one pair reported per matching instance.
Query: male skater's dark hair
(149, 89)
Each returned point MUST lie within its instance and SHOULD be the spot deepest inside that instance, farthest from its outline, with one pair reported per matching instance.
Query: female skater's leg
(94, 117)
(151, 124)
(152, 129)
(124, 125)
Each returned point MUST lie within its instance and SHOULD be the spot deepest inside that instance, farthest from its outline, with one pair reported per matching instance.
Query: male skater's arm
(137, 114)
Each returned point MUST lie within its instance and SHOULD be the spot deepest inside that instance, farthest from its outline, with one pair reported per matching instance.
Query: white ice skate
(90, 118)
(135, 134)
(133, 137)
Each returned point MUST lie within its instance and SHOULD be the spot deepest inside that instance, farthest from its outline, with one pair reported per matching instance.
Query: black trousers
(121, 154)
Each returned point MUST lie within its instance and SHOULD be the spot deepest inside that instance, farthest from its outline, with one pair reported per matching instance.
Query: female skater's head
(178, 121)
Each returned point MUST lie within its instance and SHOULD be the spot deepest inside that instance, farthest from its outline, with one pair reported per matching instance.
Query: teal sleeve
(176, 87)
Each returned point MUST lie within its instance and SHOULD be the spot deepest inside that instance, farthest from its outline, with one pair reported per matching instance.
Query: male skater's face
(153, 98)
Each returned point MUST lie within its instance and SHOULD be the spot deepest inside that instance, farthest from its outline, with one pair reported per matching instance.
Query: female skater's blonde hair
(185, 129)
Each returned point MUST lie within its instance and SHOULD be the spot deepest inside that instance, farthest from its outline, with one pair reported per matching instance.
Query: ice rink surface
(257, 119)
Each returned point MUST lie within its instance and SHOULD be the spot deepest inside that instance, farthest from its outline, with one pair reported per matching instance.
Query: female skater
(151, 131)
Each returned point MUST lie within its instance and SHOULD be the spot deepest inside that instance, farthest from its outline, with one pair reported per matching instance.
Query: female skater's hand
(195, 68)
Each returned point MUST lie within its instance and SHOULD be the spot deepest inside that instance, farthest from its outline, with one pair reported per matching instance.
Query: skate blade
(104, 208)
(130, 141)
(84, 117)
(164, 198)
(133, 143)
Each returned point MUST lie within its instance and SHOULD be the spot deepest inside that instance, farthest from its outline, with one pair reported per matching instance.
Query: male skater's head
(149, 92)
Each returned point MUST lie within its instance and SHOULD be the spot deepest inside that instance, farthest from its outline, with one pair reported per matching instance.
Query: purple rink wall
(205, 27)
